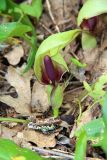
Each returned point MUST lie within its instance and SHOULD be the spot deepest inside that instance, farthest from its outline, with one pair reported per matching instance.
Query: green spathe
(52, 47)
(92, 8)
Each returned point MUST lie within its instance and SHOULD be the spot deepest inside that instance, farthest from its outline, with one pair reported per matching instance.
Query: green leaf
(35, 9)
(103, 142)
(52, 47)
(12, 29)
(31, 55)
(87, 86)
(96, 91)
(98, 88)
(49, 90)
(56, 99)
(77, 63)
(104, 109)
(30, 60)
(3, 5)
(92, 8)
(81, 145)
(94, 129)
(10, 151)
(88, 41)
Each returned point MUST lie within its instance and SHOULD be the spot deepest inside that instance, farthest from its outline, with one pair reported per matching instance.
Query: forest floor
(25, 98)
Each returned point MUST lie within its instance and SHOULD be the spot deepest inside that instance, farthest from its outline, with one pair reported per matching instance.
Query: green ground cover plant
(49, 66)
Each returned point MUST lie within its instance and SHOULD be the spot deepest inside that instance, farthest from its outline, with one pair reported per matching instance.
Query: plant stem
(55, 112)
(13, 120)
(28, 39)
(80, 111)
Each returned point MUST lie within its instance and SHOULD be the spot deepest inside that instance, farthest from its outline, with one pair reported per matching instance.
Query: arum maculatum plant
(87, 20)
(50, 66)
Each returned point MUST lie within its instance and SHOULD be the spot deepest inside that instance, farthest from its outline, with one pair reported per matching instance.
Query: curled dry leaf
(22, 86)
(39, 101)
(40, 139)
(8, 133)
(15, 55)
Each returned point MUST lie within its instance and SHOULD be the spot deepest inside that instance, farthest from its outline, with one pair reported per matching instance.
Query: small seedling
(95, 130)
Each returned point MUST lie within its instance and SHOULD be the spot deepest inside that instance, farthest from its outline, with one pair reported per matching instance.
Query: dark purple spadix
(89, 24)
(50, 69)
(19, 1)
(80, 2)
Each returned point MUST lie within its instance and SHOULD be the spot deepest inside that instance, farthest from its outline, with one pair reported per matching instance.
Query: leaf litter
(15, 55)
(32, 98)
(22, 86)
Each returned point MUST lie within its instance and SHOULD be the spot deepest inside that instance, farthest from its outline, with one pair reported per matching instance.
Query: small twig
(51, 15)
(75, 83)
(64, 21)
(2, 77)
(2, 72)
(54, 157)
(56, 153)
(74, 55)
(73, 90)
(80, 112)
(47, 29)
(96, 102)
(84, 97)
(6, 93)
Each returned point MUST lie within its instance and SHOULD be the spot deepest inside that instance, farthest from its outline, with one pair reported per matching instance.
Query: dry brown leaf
(96, 61)
(12, 134)
(85, 118)
(39, 101)
(22, 86)
(7, 132)
(90, 58)
(102, 64)
(62, 10)
(40, 139)
(15, 55)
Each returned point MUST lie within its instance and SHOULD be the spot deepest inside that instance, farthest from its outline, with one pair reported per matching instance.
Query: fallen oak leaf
(15, 55)
(39, 103)
(40, 139)
(22, 86)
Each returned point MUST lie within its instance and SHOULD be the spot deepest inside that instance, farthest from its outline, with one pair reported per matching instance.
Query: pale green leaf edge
(52, 47)
(88, 41)
(92, 8)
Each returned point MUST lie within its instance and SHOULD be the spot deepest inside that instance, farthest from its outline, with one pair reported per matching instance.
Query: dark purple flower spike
(19, 1)
(50, 69)
(51, 73)
(89, 24)
(80, 2)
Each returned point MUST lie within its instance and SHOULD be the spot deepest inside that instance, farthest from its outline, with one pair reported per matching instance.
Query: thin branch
(47, 29)
(51, 152)
(51, 15)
